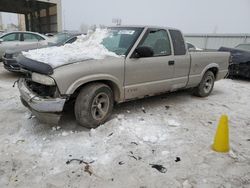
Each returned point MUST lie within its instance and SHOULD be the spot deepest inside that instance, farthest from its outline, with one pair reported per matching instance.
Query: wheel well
(214, 70)
(111, 84)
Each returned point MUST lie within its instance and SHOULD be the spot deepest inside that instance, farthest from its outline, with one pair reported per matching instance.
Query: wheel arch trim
(110, 80)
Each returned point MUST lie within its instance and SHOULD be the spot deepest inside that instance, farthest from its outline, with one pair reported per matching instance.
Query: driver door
(150, 75)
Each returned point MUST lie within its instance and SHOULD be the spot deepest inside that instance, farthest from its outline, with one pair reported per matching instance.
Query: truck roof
(145, 26)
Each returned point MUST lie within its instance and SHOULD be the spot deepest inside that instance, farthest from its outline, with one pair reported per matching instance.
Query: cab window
(11, 37)
(158, 40)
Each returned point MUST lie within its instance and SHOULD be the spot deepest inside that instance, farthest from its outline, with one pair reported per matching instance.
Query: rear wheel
(206, 85)
(94, 105)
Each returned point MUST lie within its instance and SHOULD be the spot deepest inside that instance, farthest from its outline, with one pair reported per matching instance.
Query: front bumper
(240, 69)
(47, 110)
(11, 64)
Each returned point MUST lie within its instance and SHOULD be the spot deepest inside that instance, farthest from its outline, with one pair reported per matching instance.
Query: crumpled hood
(39, 67)
(33, 65)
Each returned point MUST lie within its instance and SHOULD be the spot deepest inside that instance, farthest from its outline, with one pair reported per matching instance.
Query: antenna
(117, 21)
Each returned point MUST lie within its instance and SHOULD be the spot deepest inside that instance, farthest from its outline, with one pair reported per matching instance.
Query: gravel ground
(173, 130)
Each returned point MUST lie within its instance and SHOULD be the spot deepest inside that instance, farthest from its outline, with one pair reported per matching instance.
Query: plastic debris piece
(143, 109)
(134, 143)
(88, 169)
(121, 163)
(177, 159)
(79, 160)
(160, 168)
(110, 134)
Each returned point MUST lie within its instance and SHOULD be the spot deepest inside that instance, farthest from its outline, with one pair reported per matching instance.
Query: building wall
(42, 16)
(21, 22)
(55, 13)
(215, 41)
(1, 22)
(46, 19)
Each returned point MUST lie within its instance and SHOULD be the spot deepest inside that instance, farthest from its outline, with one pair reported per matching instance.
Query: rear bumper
(47, 110)
(221, 74)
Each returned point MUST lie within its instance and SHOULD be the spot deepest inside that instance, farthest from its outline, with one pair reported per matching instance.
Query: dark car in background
(64, 38)
(9, 58)
(240, 60)
(245, 46)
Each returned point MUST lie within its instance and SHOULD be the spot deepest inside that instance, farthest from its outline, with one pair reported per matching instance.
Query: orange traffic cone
(221, 139)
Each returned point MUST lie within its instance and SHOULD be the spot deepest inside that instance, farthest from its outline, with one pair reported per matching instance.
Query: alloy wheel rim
(208, 84)
(100, 106)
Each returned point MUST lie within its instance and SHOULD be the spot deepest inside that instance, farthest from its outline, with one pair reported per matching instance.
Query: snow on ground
(85, 47)
(173, 130)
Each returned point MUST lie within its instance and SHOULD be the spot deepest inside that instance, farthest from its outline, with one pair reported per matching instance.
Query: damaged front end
(39, 93)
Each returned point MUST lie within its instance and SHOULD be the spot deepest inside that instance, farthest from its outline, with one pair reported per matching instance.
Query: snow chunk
(64, 133)
(186, 184)
(53, 128)
(151, 135)
(173, 122)
(85, 47)
(152, 139)
(92, 132)
(165, 152)
(120, 117)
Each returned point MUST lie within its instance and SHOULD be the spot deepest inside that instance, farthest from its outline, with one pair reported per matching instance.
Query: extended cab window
(178, 42)
(158, 40)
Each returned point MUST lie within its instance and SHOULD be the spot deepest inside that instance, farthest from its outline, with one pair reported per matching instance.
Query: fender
(194, 80)
(97, 77)
(209, 66)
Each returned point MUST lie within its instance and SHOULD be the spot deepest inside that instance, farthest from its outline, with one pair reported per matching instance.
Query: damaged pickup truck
(130, 63)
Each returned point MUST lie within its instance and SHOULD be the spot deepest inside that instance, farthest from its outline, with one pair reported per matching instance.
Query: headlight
(43, 79)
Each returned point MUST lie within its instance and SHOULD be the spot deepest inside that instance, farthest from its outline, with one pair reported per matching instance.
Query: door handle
(171, 63)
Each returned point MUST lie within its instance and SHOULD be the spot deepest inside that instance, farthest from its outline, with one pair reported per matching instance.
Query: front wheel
(206, 85)
(94, 105)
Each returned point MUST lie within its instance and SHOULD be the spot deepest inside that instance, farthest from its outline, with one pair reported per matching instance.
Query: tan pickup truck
(151, 60)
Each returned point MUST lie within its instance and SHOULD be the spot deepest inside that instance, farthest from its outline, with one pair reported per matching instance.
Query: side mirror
(143, 51)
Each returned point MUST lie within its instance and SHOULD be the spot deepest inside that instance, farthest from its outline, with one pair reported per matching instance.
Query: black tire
(206, 85)
(87, 112)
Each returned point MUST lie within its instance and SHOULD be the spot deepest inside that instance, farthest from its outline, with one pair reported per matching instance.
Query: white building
(215, 41)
